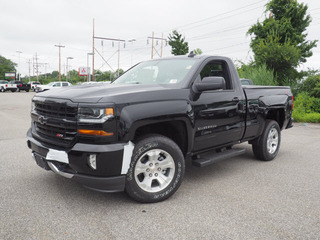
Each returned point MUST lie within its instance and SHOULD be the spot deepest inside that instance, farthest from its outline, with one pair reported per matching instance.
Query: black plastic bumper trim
(101, 184)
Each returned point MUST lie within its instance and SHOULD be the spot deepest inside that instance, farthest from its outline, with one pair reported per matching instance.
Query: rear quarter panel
(261, 100)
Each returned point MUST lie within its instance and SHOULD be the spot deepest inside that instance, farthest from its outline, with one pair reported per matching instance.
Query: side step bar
(208, 159)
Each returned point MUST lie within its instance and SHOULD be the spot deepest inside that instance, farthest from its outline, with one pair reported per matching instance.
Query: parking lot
(239, 198)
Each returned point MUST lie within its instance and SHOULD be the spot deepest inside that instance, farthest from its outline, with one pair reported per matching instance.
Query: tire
(267, 146)
(18, 89)
(37, 90)
(156, 170)
(27, 90)
(2, 89)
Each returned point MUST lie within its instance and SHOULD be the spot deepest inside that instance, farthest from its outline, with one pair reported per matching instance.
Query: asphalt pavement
(239, 198)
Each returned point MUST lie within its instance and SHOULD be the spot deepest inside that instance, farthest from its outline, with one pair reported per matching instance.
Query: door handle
(235, 99)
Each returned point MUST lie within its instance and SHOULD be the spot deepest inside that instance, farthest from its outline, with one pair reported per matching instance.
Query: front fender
(134, 116)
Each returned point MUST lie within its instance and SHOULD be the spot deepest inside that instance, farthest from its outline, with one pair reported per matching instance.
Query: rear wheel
(2, 89)
(18, 89)
(266, 147)
(156, 170)
(27, 90)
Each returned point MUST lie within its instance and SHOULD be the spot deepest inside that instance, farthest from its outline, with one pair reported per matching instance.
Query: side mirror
(209, 83)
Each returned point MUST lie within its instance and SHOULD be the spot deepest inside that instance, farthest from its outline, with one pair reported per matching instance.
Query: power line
(217, 16)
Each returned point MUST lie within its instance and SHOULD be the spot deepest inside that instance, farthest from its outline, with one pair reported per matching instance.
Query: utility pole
(29, 62)
(45, 69)
(88, 72)
(37, 67)
(68, 76)
(59, 46)
(33, 66)
(132, 40)
(93, 52)
(19, 52)
(153, 47)
(161, 44)
(118, 59)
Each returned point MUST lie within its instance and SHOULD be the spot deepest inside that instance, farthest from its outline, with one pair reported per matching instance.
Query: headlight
(94, 115)
(33, 106)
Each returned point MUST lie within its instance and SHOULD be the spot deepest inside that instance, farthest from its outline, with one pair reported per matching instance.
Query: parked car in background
(12, 86)
(21, 86)
(34, 85)
(3, 85)
(246, 81)
(52, 85)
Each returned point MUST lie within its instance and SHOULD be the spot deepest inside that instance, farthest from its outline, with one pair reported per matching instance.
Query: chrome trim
(33, 156)
(57, 171)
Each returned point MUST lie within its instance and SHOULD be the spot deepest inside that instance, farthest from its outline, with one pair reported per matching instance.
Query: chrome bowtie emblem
(42, 120)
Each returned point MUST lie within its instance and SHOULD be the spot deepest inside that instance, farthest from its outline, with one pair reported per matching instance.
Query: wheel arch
(176, 130)
(278, 115)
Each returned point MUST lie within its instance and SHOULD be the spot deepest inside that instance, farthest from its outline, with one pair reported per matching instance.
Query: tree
(259, 74)
(6, 65)
(311, 85)
(280, 40)
(178, 44)
(197, 51)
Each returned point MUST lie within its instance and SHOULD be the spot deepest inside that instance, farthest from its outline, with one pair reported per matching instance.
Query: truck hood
(116, 93)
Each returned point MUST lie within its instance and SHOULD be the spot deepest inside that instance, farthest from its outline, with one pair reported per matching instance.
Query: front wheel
(266, 147)
(156, 170)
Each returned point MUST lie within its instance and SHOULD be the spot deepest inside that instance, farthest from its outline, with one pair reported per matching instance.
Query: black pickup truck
(136, 133)
(18, 86)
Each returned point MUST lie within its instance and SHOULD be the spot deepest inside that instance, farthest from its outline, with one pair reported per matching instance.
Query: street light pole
(67, 75)
(132, 40)
(19, 52)
(88, 71)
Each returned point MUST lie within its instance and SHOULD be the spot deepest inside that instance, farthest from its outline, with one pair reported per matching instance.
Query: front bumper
(112, 164)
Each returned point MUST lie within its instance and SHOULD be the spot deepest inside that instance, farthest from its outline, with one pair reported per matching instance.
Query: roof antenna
(191, 54)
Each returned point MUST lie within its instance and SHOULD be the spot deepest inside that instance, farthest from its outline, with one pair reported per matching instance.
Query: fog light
(92, 160)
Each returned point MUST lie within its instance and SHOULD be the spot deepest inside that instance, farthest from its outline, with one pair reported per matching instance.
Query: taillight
(20, 85)
(35, 85)
(6, 85)
(292, 103)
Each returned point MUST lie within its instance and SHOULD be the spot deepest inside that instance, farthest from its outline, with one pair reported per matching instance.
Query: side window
(65, 84)
(216, 69)
(56, 85)
(245, 82)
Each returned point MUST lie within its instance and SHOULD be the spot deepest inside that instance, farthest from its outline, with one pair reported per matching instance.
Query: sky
(31, 29)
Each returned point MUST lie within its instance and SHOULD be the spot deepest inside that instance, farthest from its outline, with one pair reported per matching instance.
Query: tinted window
(216, 69)
(65, 85)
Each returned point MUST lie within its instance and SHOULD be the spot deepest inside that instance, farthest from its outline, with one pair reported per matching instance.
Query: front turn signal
(95, 132)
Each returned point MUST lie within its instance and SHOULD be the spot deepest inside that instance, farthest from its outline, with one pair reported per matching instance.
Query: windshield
(157, 72)
(50, 84)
